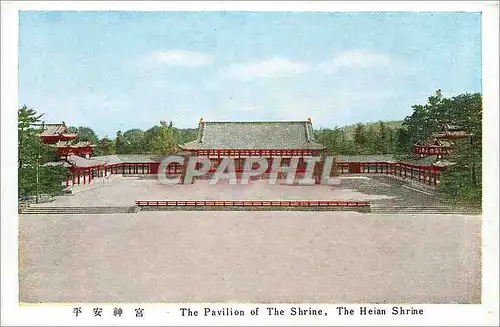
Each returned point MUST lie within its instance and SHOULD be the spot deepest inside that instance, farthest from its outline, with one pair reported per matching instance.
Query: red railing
(253, 203)
(423, 174)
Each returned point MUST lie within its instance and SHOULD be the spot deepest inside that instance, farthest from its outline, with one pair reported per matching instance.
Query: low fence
(253, 203)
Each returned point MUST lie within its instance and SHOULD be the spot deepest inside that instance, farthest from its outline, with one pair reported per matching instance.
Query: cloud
(182, 58)
(274, 67)
(367, 62)
(359, 59)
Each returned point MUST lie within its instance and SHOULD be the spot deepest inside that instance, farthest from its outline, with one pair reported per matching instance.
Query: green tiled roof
(254, 135)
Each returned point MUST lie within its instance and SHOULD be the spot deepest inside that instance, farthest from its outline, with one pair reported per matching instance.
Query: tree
(84, 134)
(148, 138)
(187, 135)
(28, 119)
(359, 135)
(463, 180)
(105, 146)
(134, 141)
(403, 142)
(33, 176)
(165, 141)
(331, 139)
(425, 120)
(120, 143)
(382, 144)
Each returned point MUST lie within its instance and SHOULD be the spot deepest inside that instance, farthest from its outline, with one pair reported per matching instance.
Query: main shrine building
(248, 139)
(265, 139)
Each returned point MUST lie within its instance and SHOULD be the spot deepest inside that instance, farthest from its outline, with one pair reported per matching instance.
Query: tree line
(363, 139)
(160, 140)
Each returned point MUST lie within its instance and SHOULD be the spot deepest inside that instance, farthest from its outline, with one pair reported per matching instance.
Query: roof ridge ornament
(201, 127)
(308, 135)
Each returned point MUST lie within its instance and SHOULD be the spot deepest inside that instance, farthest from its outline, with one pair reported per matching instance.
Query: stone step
(402, 211)
(77, 210)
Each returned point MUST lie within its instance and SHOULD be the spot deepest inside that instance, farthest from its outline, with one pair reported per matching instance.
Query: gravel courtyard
(250, 257)
(123, 191)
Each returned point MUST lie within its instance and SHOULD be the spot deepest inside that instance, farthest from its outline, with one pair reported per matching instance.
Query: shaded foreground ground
(250, 257)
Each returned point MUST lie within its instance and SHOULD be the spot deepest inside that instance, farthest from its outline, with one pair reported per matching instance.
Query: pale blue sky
(116, 71)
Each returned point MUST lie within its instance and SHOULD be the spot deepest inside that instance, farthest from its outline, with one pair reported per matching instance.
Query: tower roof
(56, 130)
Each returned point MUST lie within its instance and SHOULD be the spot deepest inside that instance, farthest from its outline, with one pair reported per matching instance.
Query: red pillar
(84, 176)
(79, 173)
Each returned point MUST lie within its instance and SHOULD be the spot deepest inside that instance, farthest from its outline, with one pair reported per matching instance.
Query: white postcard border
(59, 314)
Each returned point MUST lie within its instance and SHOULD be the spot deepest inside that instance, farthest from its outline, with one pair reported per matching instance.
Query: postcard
(266, 163)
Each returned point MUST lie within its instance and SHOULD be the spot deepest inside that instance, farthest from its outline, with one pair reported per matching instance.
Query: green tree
(148, 139)
(105, 146)
(33, 176)
(120, 143)
(359, 135)
(463, 180)
(134, 141)
(424, 121)
(403, 144)
(28, 120)
(382, 145)
(85, 134)
(187, 135)
(330, 138)
(165, 141)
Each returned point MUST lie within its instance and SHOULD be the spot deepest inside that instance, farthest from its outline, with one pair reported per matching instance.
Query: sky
(121, 70)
